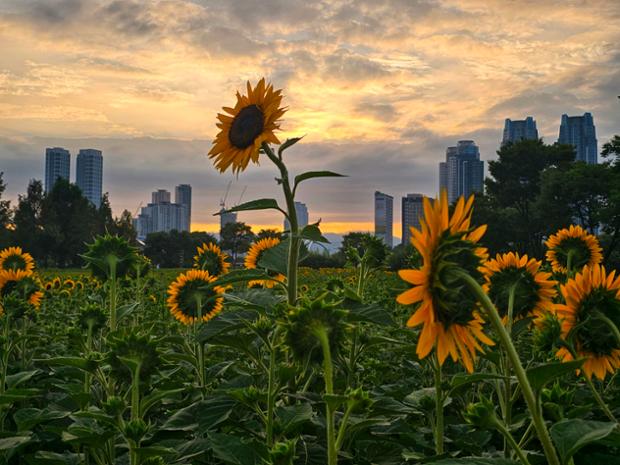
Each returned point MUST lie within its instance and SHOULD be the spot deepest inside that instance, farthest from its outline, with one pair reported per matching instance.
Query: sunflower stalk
(328, 376)
(271, 387)
(439, 415)
(294, 241)
(501, 427)
(600, 401)
(528, 392)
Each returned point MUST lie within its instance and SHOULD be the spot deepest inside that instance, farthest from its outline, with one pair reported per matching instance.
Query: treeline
(54, 227)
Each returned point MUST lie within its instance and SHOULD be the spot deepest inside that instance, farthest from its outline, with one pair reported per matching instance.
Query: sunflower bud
(283, 453)
(481, 414)
(135, 430)
(359, 400)
(114, 406)
(110, 257)
(92, 317)
(306, 321)
(554, 399)
(131, 351)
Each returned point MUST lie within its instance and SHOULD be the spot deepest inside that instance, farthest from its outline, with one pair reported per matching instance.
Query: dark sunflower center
(246, 127)
(194, 295)
(453, 301)
(210, 262)
(579, 251)
(525, 291)
(594, 332)
(14, 262)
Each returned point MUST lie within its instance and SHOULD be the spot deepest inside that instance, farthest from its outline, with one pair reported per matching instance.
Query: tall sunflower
(210, 257)
(253, 257)
(447, 308)
(573, 247)
(14, 258)
(533, 290)
(189, 297)
(592, 304)
(251, 122)
(24, 284)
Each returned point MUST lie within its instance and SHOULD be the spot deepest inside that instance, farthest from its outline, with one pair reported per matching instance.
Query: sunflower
(211, 258)
(447, 308)
(23, 283)
(189, 295)
(573, 247)
(56, 283)
(251, 122)
(592, 305)
(69, 284)
(533, 290)
(49, 285)
(253, 257)
(13, 258)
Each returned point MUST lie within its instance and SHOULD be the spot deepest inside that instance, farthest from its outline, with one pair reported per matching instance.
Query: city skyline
(378, 97)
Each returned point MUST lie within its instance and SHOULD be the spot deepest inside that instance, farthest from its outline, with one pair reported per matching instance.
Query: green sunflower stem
(439, 416)
(528, 392)
(294, 240)
(600, 401)
(511, 441)
(610, 324)
(112, 297)
(328, 375)
(271, 387)
(200, 348)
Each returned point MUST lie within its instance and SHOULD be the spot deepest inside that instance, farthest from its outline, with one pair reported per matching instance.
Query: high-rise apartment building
(302, 216)
(517, 130)
(580, 132)
(161, 216)
(384, 217)
(227, 218)
(57, 165)
(183, 196)
(412, 211)
(463, 172)
(89, 174)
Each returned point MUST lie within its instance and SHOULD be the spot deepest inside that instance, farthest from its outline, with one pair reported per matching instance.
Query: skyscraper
(412, 211)
(580, 132)
(161, 216)
(463, 172)
(302, 216)
(517, 130)
(89, 174)
(384, 217)
(183, 196)
(57, 165)
(227, 218)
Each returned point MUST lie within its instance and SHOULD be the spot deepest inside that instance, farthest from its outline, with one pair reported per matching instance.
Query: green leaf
(475, 461)
(291, 417)
(156, 396)
(14, 441)
(260, 204)
(542, 374)
(316, 174)
(235, 451)
(312, 232)
(203, 415)
(462, 379)
(75, 362)
(237, 276)
(288, 143)
(223, 323)
(126, 310)
(154, 451)
(16, 395)
(571, 435)
(275, 258)
(54, 458)
(372, 313)
(27, 418)
(19, 378)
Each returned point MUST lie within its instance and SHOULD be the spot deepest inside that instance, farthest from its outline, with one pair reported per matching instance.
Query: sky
(378, 89)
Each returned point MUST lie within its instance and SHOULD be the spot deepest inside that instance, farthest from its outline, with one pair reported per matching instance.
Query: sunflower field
(459, 358)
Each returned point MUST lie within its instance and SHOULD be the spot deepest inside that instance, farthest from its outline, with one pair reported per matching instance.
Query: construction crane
(223, 200)
(241, 196)
(135, 214)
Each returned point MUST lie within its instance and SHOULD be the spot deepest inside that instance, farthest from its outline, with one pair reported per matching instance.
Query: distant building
(517, 130)
(412, 211)
(302, 216)
(384, 217)
(227, 218)
(580, 132)
(183, 196)
(57, 165)
(463, 172)
(89, 174)
(161, 216)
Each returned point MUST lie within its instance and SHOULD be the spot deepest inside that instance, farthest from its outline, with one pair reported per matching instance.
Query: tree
(123, 227)
(29, 234)
(105, 220)
(236, 238)
(362, 244)
(265, 233)
(5, 216)
(515, 183)
(69, 221)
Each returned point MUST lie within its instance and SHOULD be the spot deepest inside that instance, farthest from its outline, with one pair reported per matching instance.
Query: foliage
(175, 249)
